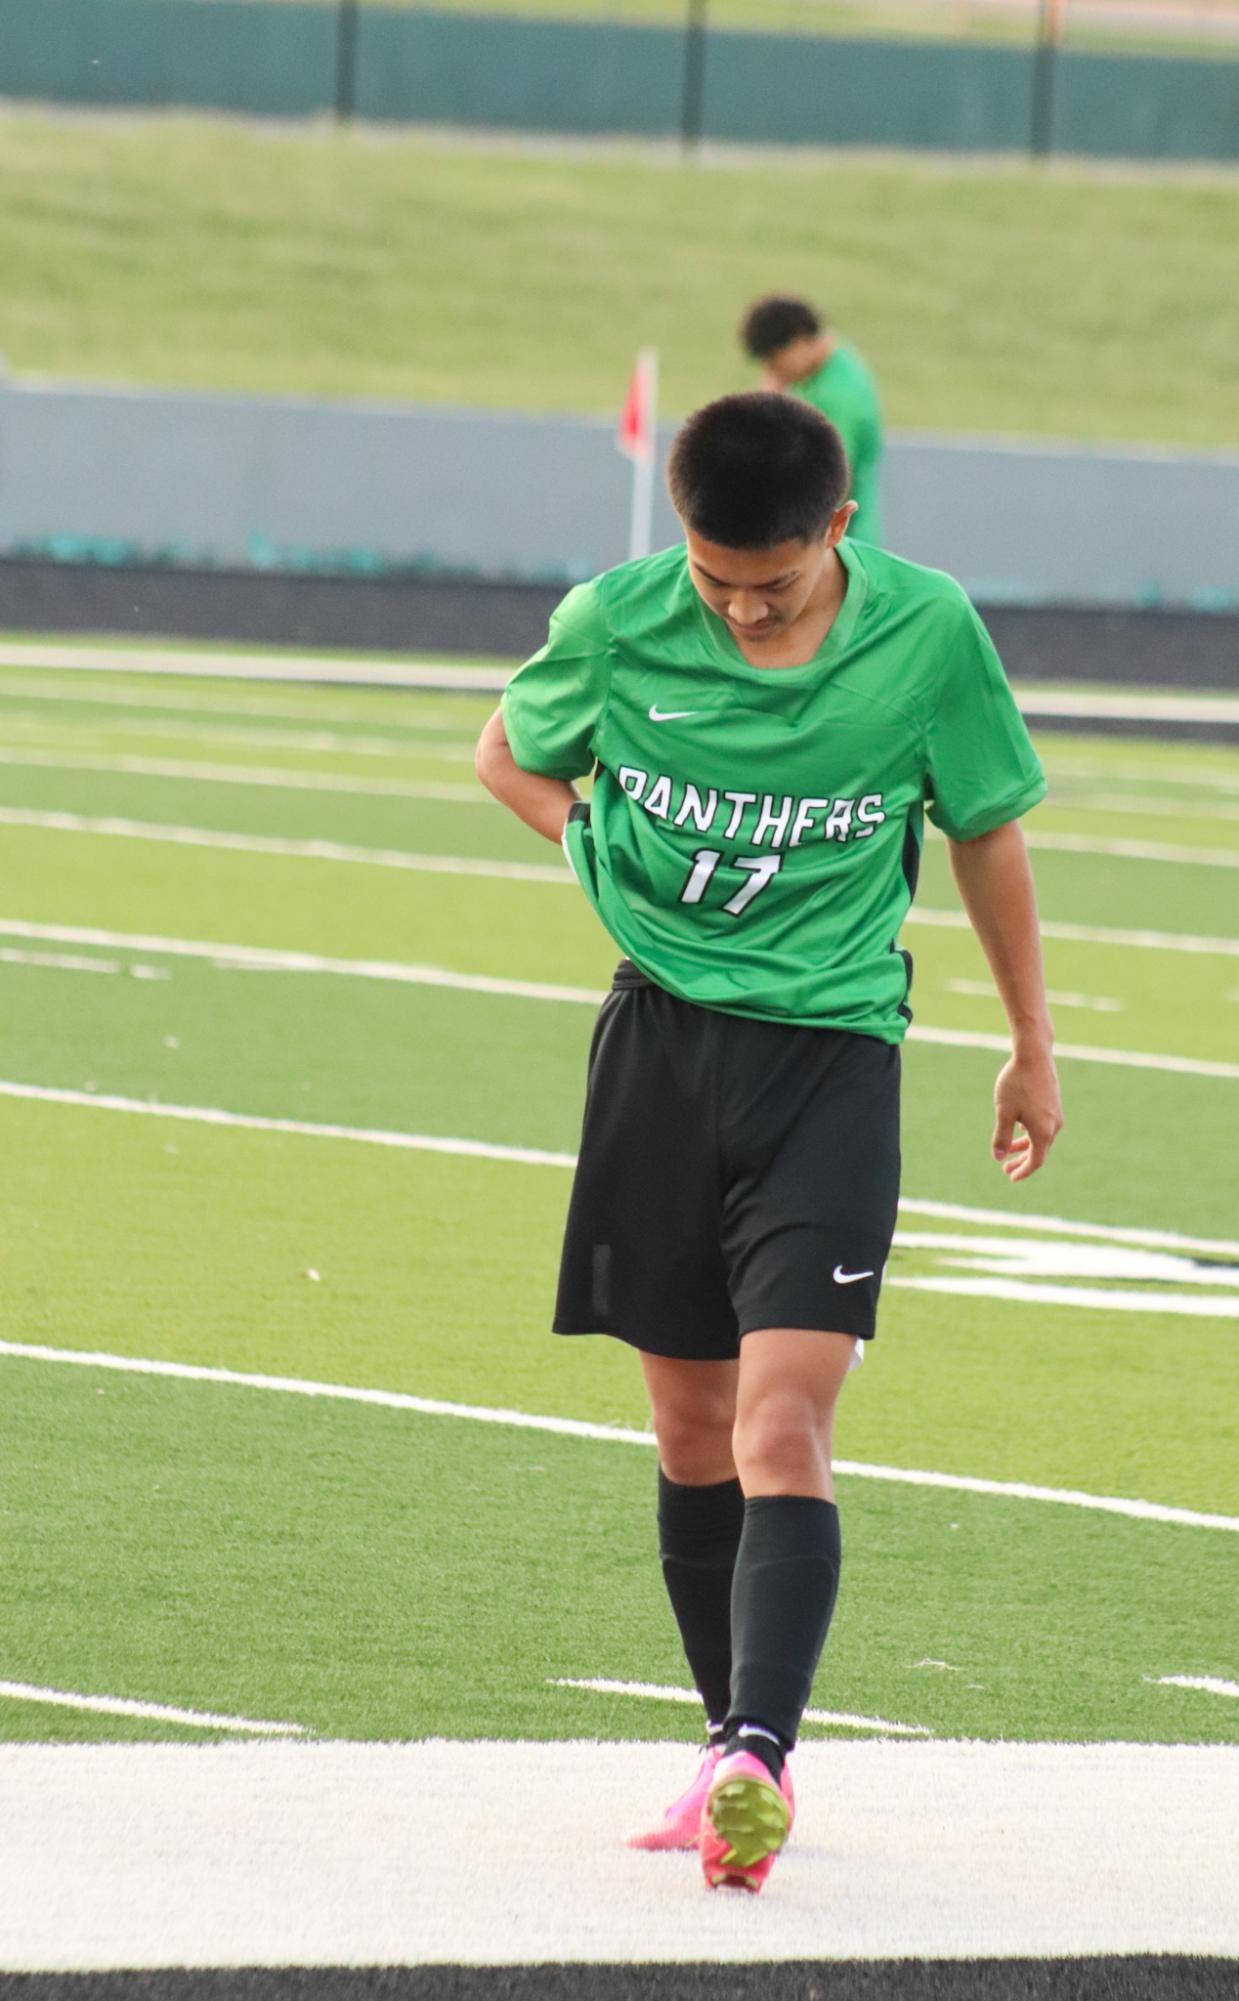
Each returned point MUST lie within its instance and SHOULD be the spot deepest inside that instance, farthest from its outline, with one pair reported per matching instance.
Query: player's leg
(700, 1516)
(784, 1588)
(787, 1569)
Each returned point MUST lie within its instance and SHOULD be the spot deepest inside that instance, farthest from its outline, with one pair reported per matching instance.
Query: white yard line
(1086, 703)
(39, 734)
(63, 962)
(1081, 1052)
(1094, 934)
(1099, 705)
(390, 1855)
(536, 1157)
(115, 1705)
(1208, 1684)
(272, 844)
(1136, 806)
(652, 1691)
(230, 705)
(307, 670)
(1135, 851)
(261, 777)
(211, 1115)
(318, 850)
(378, 969)
(265, 959)
(1136, 1510)
(985, 990)
(1112, 1299)
(1198, 774)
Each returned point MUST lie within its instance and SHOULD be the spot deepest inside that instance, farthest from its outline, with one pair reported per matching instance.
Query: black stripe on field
(443, 614)
(1137, 1977)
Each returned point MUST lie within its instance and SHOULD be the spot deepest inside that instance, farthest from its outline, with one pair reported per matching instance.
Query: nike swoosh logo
(658, 715)
(849, 1277)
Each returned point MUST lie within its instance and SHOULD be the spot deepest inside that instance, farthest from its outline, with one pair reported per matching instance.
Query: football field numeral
(760, 869)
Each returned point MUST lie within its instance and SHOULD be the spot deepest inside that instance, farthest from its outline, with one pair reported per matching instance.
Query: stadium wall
(594, 77)
(353, 488)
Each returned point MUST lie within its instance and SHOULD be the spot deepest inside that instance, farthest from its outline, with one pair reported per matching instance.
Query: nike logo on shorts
(849, 1277)
(658, 715)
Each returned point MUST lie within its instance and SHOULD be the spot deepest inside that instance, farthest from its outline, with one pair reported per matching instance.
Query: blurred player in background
(801, 354)
(766, 709)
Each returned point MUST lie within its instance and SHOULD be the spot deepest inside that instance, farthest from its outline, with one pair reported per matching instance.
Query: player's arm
(542, 803)
(996, 887)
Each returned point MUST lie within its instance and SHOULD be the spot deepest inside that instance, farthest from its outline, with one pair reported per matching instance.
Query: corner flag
(637, 439)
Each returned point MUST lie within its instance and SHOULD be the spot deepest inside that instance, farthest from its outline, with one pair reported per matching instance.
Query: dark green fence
(594, 77)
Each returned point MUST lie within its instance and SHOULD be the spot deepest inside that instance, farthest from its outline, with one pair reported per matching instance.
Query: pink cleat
(744, 1823)
(680, 1825)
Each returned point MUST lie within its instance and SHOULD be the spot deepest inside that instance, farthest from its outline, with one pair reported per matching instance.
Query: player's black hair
(775, 322)
(751, 471)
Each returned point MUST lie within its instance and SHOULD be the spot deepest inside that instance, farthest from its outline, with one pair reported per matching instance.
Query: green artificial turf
(436, 1277)
(1071, 302)
(370, 1573)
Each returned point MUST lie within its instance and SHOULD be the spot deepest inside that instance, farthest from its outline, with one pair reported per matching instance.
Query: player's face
(761, 592)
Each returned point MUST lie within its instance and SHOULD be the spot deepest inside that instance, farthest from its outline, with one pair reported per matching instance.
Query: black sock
(783, 1593)
(698, 1536)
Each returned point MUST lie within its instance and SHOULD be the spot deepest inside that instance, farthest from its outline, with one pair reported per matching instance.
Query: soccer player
(801, 354)
(768, 711)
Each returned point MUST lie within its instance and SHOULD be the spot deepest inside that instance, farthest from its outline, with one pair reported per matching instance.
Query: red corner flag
(635, 436)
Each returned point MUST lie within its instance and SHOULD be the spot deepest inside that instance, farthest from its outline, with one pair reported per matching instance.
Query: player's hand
(1028, 1114)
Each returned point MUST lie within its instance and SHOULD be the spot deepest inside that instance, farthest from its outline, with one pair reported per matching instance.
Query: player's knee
(781, 1430)
(694, 1442)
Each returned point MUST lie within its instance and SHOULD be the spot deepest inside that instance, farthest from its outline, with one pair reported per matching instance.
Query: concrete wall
(222, 480)
(557, 75)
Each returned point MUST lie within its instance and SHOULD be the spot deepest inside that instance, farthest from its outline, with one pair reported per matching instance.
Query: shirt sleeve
(982, 769)
(553, 704)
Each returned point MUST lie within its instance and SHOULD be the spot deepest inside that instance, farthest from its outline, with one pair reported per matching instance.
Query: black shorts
(733, 1174)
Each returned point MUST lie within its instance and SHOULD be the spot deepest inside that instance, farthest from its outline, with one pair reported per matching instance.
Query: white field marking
(1111, 1299)
(1094, 934)
(115, 1705)
(1100, 704)
(1136, 808)
(303, 1854)
(210, 1115)
(652, 1691)
(1136, 706)
(244, 957)
(1039, 1257)
(174, 702)
(953, 920)
(985, 990)
(1135, 851)
(273, 844)
(265, 959)
(63, 962)
(358, 672)
(45, 735)
(1113, 1233)
(610, 1434)
(319, 850)
(1208, 1684)
(535, 1157)
(251, 774)
(1058, 765)
(1080, 1052)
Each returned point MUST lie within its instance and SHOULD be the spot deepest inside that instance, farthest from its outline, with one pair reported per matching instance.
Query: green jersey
(753, 836)
(844, 390)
